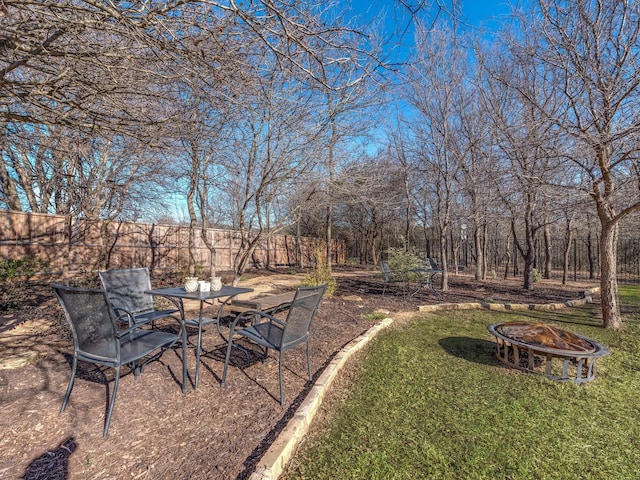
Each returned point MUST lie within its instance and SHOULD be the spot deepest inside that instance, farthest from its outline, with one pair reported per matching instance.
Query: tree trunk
(611, 317)
(485, 246)
(298, 247)
(478, 244)
(547, 250)
(329, 219)
(443, 261)
(567, 251)
(592, 263)
(566, 254)
(508, 258)
(12, 199)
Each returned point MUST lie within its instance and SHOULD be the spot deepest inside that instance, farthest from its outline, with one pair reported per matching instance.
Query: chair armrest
(131, 318)
(421, 271)
(250, 316)
(426, 271)
(280, 308)
(116, 302)
(121, 314)
(127, 331)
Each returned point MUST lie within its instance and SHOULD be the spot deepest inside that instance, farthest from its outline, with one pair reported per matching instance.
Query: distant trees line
(577, 260)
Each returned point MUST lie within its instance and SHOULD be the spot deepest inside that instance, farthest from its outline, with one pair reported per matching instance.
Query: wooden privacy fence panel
(72, 245)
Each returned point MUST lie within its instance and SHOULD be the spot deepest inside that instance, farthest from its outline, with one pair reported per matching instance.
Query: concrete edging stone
(585, 297)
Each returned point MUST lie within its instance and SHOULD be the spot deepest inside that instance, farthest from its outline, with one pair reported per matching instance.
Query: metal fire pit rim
(600, 350)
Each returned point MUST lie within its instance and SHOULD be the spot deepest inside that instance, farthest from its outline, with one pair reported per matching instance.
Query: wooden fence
(71, 245)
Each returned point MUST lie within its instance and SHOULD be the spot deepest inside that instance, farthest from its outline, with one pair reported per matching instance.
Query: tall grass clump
(320, 274)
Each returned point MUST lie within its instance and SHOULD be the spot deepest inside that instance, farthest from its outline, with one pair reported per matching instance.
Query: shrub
(13, 273)
(320, 274)
(24, 268)
(400, 259)
(535, 275)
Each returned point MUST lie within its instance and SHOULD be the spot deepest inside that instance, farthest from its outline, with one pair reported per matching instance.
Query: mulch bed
(158, 432)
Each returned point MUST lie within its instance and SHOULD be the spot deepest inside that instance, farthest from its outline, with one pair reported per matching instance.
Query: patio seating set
(422, 278)
(116, 326)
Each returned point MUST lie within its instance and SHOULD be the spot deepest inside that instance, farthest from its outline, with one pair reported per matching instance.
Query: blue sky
(480, 14)
(479, 11)
(476, 12)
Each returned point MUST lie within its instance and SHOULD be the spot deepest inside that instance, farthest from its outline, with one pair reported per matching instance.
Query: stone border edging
(585, 298)
(275, 459)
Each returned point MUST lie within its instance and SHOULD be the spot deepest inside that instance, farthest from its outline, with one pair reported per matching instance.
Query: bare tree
(104, 68)
(589, 51)
(479, 165)
(434, 91)
(271, 147)
(528, 143)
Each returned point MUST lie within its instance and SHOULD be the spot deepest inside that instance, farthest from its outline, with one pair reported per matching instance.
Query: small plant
(320, 274)
(11, 270)
(12, 274)
(536, 276)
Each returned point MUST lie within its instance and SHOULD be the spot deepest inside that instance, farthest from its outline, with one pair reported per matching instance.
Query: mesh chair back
(93, 328)
(301, 313)
(126, 288)
(385, 271)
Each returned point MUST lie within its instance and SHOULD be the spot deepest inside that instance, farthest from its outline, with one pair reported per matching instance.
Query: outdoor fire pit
(547, 350)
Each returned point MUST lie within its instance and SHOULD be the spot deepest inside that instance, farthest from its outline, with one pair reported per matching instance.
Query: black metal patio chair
(391, 277)
(97, 340)
(273, 333)
(126, 290)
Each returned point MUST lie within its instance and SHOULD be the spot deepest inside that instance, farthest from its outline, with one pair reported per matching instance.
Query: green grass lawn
(431, 401)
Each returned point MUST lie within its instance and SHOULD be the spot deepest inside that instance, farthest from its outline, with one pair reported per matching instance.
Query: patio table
(425, 279)
(177, 295)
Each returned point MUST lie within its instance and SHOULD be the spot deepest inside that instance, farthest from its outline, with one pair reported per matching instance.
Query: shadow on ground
(471, 349)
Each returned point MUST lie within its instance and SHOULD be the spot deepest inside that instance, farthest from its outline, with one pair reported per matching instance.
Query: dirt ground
(157, 432)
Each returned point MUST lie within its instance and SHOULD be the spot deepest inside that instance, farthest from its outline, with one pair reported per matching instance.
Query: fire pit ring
(533, 347)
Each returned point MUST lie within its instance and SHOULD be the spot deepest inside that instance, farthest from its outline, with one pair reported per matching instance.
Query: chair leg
(137, 369)
(74, 366)
(308, 361)
(226, 360)
(112, 403)
(198, 351)
(280, 378)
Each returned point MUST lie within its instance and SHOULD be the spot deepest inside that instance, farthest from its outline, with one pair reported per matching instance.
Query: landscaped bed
(158, 432)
